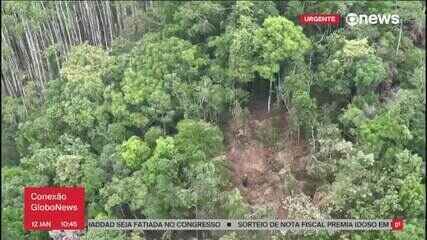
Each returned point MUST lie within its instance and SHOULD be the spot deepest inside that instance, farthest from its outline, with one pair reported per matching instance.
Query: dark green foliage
(152, 135)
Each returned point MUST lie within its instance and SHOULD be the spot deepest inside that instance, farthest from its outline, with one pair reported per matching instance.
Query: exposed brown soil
(258, 169)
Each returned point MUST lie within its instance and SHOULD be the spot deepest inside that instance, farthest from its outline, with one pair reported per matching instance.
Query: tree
(181, 177)
(297, 99)
(160, 82)
(370, 193)
(368, 73)
(196, 21)
(330, 148)
(152, 135)
(409, 105)
(352, 69)
(243, 49)
(14, 179)
(198, 140)
(384, 133)
(134, 152)
(279, 39)
(74, 103)
(161, 176)
(82, 95)
(125, 197)
(42, 161)
(11, 115)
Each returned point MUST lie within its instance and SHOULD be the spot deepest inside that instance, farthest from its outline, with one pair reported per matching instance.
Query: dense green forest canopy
(134, 101)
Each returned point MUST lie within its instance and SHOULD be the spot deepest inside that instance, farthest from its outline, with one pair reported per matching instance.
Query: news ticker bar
(63, 208)
(225, 224)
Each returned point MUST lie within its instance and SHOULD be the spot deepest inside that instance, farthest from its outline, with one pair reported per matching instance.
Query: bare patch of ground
(262, 154)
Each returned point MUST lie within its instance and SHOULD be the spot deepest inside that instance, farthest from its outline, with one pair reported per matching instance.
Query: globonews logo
(353, 19)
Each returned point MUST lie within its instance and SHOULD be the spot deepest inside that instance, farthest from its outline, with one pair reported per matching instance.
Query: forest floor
(261, 153)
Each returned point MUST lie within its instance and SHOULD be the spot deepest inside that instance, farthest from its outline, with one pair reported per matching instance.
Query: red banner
(319, 19)
(54, 208)
(397, 224)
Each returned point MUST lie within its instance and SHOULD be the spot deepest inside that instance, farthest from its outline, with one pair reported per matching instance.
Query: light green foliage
(204, 194)
(412, 11)
(83, 88)
(116, 105)
(134, 152)
(42, 161)
(332, 76)
(351, 118)
(156, 67)
(362, 109)
(235, 206)
(389, 179)
(413, 230)
(68, 169)
(74, 104)
(161, 177)
(243, 49)
(352, 180)
(411, 192)
(198, 140)
(383, 132)
(356, 48)
(86, 65)
(368, 73)
(386, 186)
(125, 192)
(351, 69)
(16, 179)
(31, 13)
(279, 39)
(77, 166)
(237, 52)
(156, 77)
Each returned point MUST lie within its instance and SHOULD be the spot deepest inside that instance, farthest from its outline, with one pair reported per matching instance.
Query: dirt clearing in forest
(262, 155)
